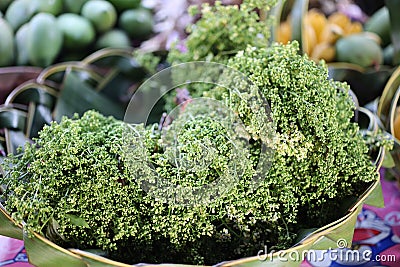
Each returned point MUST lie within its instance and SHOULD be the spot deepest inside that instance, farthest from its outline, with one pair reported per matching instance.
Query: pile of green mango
(42, 32)
(370, 48)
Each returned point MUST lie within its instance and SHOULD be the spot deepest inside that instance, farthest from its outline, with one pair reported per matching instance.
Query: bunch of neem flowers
(74, 185)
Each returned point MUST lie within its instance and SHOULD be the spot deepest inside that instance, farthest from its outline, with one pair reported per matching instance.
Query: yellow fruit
(317, 20)
(323, 51)
(310, 39)
(339, 19)
(331, 33)
(353, 28)
(284, 33)
(396, 125)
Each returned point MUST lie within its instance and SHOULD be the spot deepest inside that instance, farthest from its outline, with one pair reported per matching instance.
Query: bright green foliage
(72, 187)
(77, 187)
(147, 60)
(321, 159)
(221, 32)
(82, 184)
(85, 183)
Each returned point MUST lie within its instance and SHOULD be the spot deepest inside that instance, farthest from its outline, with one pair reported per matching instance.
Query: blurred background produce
(341, 31)
(355, 38)
(42, 32)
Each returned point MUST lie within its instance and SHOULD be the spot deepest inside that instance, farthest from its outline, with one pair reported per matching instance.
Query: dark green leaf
(297, 15)
(78, 97)
(12, 119)
(15, 139)
(394, 7)
(36, 95)
(367, 84)
(41, 116)
(303, 233)
(7, 225)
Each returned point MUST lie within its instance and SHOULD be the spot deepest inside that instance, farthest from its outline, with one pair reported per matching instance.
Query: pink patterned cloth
(12, 253)
(377, 230)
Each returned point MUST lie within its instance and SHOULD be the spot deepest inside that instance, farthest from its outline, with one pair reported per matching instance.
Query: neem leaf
(76, 220)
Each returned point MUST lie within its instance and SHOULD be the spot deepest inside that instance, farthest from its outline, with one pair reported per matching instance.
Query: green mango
(73, 6)
(101, 13)
(45, 40)
(379, 23)
(4, 4)
(78, 31)
(53, 7)
(359, 49)
(122, 5)
(388, 53)
(18, 13)
(114, 38)
(138, 23)
(6, 44)
(21, 43)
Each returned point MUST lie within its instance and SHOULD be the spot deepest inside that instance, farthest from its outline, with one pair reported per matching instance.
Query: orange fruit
(323, 51)
(396, 125)
(284, 33)
(310, 39)
(331, 33)
(339, 19)
(354, 27)
(317, 20)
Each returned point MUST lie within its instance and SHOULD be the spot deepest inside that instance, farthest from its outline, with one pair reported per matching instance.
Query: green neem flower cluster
(79, 185)
(76, 187)
(223, 31)
(321, 159)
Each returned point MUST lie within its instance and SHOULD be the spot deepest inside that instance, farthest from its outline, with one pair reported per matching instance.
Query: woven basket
(35, 103)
